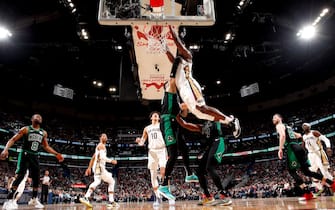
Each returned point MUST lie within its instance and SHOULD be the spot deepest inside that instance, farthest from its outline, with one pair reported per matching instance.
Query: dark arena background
(257, 58)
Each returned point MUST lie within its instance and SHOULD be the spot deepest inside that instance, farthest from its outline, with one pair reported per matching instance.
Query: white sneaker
(156, 203)
(10, 205)
(237, 127)
(14, 203)
(172, 202)
(36, 203)
(31, 202)
(113, 205)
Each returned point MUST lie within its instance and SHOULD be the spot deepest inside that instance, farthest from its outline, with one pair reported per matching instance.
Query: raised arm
(169, 54)
(183, 51)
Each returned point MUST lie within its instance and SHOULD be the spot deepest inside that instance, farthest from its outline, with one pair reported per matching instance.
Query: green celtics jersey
(32, 140)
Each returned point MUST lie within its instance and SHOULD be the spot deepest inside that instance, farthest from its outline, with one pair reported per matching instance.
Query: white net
(157, 43)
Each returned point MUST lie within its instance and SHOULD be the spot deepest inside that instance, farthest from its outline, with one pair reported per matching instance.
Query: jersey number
(34, 146)
(153, 135)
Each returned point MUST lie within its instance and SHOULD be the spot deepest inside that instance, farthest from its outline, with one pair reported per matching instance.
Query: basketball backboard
(174, 12)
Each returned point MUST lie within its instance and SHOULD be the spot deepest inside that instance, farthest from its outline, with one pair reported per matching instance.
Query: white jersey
(187, 85)
(46, 180)
(155, 137)
(312, 143)
(99, 164)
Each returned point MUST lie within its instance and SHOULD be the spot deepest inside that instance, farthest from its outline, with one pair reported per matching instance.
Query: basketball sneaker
(164, 191)
(85, 201)
(157, 202)
(191, 178)
(236, 126)
(36, 203)
(319, 192)
(306, 196)
(172, 203)
(113, 205)
(10, 205)
(206, 201)
(333, 186)
(223, 201)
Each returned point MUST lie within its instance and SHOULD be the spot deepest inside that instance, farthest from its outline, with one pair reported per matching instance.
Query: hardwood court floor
(238, 204)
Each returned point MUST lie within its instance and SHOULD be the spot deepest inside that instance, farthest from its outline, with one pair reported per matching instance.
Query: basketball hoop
(156, 40)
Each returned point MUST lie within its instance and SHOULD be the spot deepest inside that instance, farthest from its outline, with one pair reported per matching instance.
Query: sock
(165, 181)
(15, 194)
(111, 197)
(34, 194)
(157, 194)
(10, 194)
(88, 193)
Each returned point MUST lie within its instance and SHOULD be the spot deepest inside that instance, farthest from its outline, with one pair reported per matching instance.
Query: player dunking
(190, 90)
(157, 154)
(33, 137)
(98, 165)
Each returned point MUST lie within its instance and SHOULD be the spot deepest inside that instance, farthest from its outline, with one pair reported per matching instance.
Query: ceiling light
(4, 33)
(324, 12)
(307, 32)
(112, 89)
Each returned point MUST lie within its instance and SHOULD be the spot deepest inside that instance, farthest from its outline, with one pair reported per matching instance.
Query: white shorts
(186, 94)
(316, 163)
(157, 158)
(104, 176)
